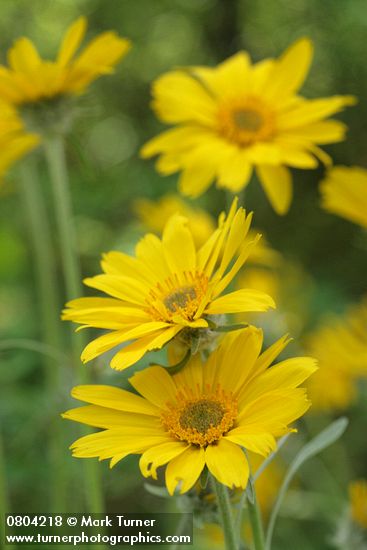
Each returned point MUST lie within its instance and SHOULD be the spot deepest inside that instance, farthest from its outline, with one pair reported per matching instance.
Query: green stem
(45, 276)
(226, 516)
(55, 156)
(255, 520)
(181, 528)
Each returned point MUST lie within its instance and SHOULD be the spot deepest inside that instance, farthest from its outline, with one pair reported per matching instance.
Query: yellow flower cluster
(221, 394)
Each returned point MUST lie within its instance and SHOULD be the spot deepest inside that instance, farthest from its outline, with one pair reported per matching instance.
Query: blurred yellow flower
(155, 214)
(358, 502)
(340, 346)
(344, 192)
(30, 79)
(169, 287)
(239, 116)
(32, 90)
(204, 415)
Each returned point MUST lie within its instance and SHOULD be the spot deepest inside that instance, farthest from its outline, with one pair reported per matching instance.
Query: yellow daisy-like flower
(340, 346)
(344, 192)
(239, 116)
(30, 79)
(170, 287)
(155, 214)
(358, 502)
(204, 415)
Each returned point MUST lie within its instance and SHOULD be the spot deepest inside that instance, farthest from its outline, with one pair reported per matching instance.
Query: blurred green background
(107, 176)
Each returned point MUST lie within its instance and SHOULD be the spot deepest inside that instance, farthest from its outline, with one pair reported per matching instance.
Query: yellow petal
(239, 301)
(178, 245)
(23, 56)
(125, 288)
(184, 470)
(102, 417)
(178, 97)
(239, 349)
(263, 443)
(156, 385)
(271, 353)
(227, 463)
(291, 69)
(135, 351)
(113, 398)
(72, 40)
(235, 171)
(286, 374)
(159, 455)
(277, 184)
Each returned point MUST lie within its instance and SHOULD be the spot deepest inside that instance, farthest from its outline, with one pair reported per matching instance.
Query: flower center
(179, 299)
(245, 121)
(179, 295)
(201, 420)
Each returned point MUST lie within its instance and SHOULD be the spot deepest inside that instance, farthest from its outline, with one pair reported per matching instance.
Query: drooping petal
(183, 471)
(159, 455)
(277, 184)
(227, 463)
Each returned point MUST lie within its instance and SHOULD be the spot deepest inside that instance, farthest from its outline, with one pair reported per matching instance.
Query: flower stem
(45, 276)
(255, 520)
(55, 156)
(226, 516)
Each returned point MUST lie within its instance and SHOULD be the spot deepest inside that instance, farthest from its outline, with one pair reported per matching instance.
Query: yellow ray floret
(340, 346)
(29, 78)
(241, 116)
(170, 286)
(204, 415)
(344, 192)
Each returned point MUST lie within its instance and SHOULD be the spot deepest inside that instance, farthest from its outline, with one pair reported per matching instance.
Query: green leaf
(316, 445)
(156, 491)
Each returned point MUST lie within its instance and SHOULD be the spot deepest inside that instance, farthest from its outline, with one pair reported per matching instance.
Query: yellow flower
(344, 192)
(170, 287)
(33, 90)
(30, 79)
(358, 502)
(204, 415)
(238, 116)
(155, 214)
(340, 346)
